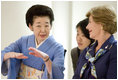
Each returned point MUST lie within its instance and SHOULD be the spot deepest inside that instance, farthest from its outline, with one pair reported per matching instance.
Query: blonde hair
(106, 16)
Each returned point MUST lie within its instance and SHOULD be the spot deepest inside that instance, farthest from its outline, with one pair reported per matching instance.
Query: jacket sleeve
(14, 47)
(112, 69)
(57, 65)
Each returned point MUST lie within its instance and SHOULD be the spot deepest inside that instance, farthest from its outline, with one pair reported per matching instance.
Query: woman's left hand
(38, 53)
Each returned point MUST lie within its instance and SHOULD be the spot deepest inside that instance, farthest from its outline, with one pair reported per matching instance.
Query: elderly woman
(99, 60)
(83, 40)
(37, 55)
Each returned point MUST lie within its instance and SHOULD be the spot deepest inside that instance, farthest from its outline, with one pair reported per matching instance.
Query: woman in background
(83, 40)
(99, 60)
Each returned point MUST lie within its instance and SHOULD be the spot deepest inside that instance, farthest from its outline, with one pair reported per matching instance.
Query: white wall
(62, 27)
(67, 15)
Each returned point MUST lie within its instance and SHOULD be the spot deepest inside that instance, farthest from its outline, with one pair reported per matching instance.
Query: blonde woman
(99, 60)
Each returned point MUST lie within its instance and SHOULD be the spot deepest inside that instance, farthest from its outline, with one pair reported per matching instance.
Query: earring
(101, 28)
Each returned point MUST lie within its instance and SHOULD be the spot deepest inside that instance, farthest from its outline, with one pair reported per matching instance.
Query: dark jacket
(75, 52)
(106, 65)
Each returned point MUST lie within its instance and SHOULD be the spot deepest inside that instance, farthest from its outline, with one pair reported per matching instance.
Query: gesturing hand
(14, 55)
(18, 56)
(44, 56)
(38, 53)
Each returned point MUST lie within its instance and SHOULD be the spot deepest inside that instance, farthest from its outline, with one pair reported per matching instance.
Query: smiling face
(41, 28)
(94, 28)
(82, 41)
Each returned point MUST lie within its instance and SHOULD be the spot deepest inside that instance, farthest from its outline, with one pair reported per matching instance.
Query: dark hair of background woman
(83, 24)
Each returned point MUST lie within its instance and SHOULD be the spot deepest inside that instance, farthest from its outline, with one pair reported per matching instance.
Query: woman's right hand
(14, 55)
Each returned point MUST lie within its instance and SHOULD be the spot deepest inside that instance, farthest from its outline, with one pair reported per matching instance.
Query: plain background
(67, 14)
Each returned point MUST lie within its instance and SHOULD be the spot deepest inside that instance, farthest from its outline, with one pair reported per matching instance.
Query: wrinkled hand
(14, 55)
(18, 56)
(38, 53)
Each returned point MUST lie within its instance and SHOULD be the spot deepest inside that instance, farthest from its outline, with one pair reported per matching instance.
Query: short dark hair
(38, 10)
(83, 24)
